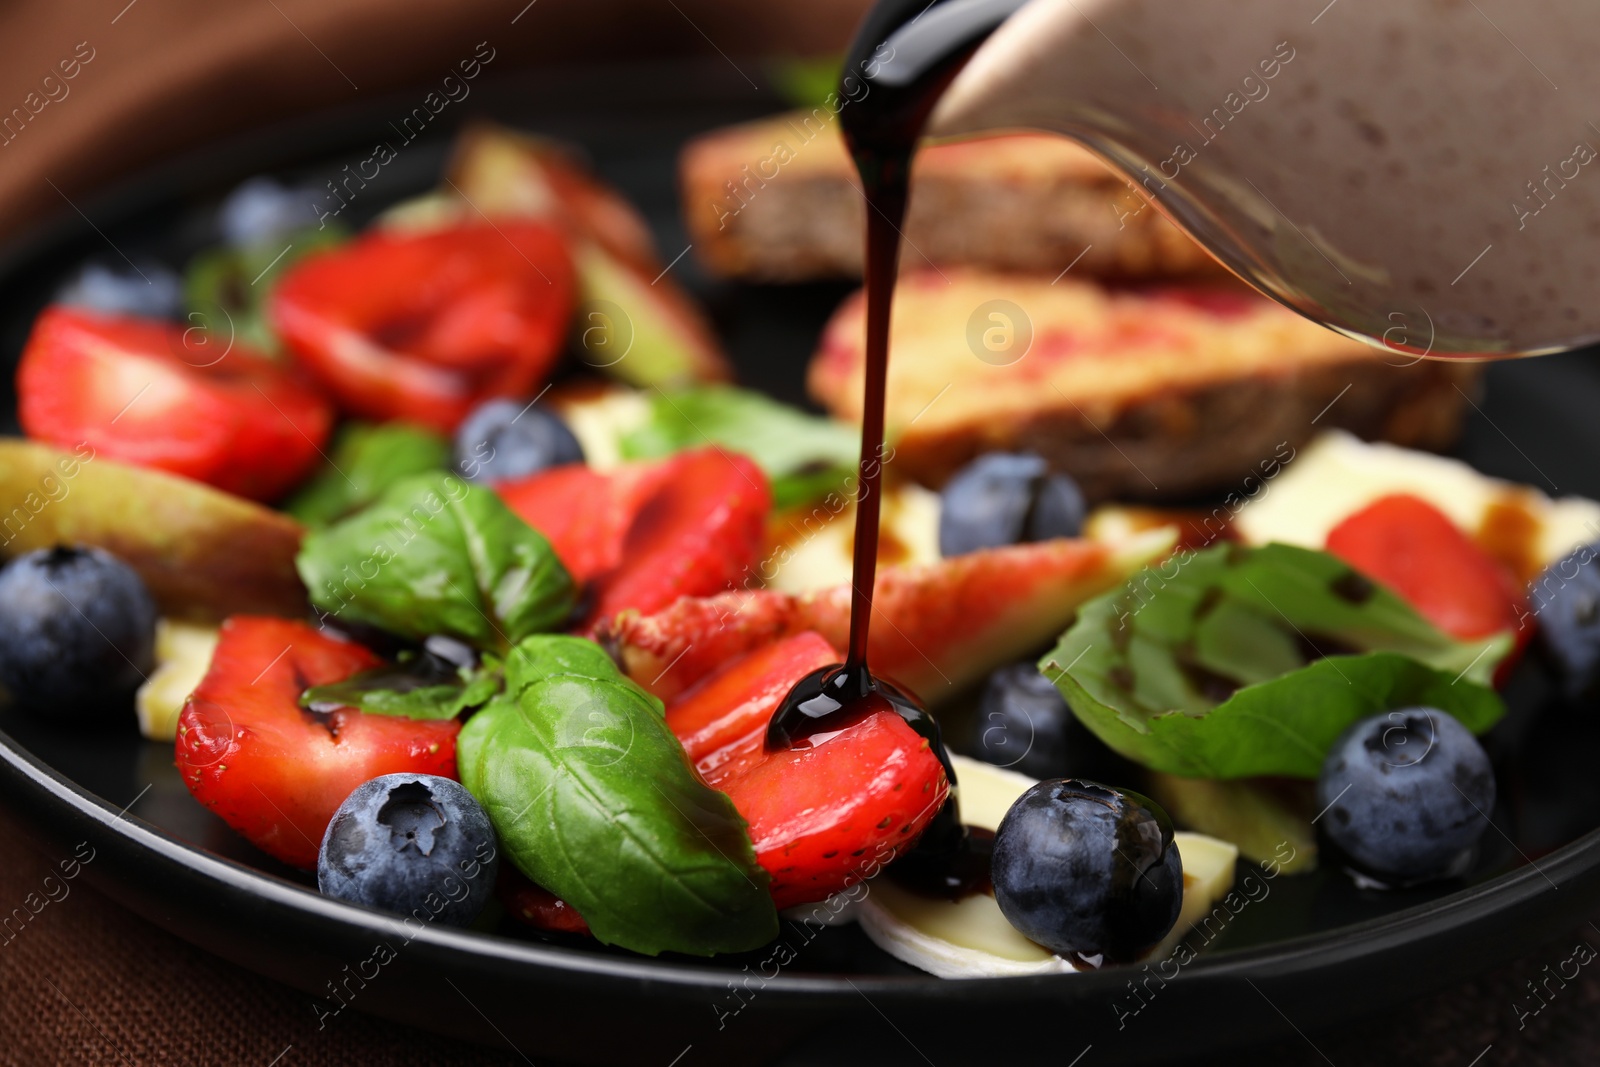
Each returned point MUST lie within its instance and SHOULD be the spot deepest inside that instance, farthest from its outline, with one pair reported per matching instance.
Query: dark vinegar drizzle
(907, 52)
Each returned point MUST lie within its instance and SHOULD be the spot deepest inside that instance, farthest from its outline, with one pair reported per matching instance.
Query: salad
(453, 568)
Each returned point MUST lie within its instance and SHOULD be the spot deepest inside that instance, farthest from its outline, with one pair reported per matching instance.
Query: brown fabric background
(86, 982)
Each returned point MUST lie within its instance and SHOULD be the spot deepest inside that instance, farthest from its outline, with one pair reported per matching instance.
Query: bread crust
(1142, 395)
(778, 200)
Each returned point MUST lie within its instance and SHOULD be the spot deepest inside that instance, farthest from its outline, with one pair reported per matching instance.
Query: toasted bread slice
(1139, 394)
(778, 200)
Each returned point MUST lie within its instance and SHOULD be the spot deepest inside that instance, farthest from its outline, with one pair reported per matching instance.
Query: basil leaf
(1236, 662)
(410, 688)
(437, 555)
(804, 456)
(225, 288)
(593, 798)
(367, 459)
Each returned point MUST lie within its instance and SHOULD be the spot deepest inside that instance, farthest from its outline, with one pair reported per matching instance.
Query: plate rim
(29, 778)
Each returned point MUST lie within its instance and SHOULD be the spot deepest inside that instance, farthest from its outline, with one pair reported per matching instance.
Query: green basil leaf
(437, 555)
(367, 459)
(403, 690)
(225, 288)
(804, 456)
(1237, 662)
(593, 798)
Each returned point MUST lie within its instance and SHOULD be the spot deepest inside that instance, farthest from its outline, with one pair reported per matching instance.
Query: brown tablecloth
(87, 982)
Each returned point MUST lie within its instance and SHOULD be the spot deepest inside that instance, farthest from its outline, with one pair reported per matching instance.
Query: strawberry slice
(843, 806)
(724, 717)
(699, 534)
(155, 395)
(826, 817)
(424, 326)
(649, 533)
(1413, 548)
(274, 771)
(935, 627)
(505, 174)
(528, 902)
(585, 514)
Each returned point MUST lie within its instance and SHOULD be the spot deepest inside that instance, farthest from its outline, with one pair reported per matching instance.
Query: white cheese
(1338, 474)
(601, 422)
(971, 938)
(183, 655)
(820, 541)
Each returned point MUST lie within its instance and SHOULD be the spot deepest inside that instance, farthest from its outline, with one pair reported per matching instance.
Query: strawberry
(274, 771)
(585, 514)
(826, 817)
(535, 905)
(699, 534)
(935, 627)
(649, 533)
(155, 395)
(425, 326)
(1413, 548)
(513, 175)
(821, 816)
(725, 716)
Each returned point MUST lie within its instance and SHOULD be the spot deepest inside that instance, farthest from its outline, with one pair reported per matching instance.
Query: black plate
(1312, 952)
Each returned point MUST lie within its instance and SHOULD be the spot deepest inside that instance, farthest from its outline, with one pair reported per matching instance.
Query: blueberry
(1088, 871)
(1003, 498)
(1566, 598)
(411, 843)
(1022, 722)
(77, 633)
(149, 290)
(503, 440)
(1406, 794)
(261, 208)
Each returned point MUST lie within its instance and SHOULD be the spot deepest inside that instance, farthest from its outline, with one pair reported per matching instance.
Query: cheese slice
(1338, 474)
(820, 543)
(183, 655)
(602, 420)
(972, 938)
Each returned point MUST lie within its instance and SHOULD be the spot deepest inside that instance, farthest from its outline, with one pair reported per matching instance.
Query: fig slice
(204, 554)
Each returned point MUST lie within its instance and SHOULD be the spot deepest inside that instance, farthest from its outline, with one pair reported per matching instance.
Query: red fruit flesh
(274, 771)
(935, 627)
(154, 395)
(1413, 548)
(585, 514)
(649, 533)
(535, 905)
(699, 534)
(827, 813)
(514, 175)
(725, 716)
(425, 326)
(826, 817)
